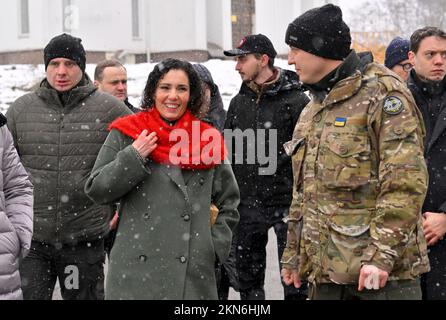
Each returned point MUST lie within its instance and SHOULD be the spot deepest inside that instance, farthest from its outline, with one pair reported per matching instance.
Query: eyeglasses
(406, 66)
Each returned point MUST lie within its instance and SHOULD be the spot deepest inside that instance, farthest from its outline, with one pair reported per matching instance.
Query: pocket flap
(350, 230)
(348, 145)
(351, 222)
(400, 131)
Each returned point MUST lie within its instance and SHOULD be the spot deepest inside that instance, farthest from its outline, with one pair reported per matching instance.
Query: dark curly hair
(196, 93)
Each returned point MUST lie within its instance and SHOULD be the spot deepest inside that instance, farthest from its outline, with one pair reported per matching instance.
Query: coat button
(317, 118)
(312, 251)
(340, 204)
(357, 252)
(142, 258)
(343, 150)
(186, 217)
(201, 180)
(146, 216)
(398, 130)
(183, 259)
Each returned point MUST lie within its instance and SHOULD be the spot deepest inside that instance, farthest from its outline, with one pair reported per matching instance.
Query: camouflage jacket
(359, 182)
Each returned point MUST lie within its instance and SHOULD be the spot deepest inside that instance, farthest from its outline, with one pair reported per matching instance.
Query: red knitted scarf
(194, 145)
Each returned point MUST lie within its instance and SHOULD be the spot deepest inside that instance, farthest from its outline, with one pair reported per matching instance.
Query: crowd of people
(178, 194)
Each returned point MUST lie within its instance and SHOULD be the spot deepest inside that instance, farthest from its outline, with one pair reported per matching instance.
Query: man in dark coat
(58, 131)
(110, 76)
(265, 112)
(428, 85)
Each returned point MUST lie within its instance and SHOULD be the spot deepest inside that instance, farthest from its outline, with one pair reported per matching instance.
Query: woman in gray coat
(166, 167)
(16, 215)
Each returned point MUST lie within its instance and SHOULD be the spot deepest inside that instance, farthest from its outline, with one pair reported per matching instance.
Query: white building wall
(107, 25)
(10, 20)
(273, 16)
(165, 25)
(272, 19)
(176, 25)
(219, 26)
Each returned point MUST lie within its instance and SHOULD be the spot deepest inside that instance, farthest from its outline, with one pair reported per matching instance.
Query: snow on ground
(17, 80)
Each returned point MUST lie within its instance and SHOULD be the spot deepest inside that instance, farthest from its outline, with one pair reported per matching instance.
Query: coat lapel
(440, 126)
(176, 175)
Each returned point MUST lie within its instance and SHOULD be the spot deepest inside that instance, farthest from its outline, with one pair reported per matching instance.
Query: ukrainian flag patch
(341, 122)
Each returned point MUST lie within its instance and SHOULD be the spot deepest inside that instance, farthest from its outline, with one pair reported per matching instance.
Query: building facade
(143, 30)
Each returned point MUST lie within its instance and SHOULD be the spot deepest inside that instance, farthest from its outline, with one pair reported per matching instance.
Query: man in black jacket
(58, 131)
(110, 76)
(428, 85)
(264, 112)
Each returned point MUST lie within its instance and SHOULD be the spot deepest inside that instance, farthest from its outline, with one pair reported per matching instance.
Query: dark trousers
(394, 290)
(80, 270)
(251, 240)
(433, 283)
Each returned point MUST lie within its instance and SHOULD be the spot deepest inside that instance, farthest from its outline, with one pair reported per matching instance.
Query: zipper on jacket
(58, 195)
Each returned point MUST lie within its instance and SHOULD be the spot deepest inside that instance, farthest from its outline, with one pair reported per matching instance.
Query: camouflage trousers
(394, 290)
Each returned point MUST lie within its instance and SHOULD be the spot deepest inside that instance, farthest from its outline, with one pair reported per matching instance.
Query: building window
(135, 19)
(24, 17)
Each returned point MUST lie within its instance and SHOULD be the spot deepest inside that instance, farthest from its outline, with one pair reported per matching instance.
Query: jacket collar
(71, 98)
(286, 80)
(427, 88)
(334, 80)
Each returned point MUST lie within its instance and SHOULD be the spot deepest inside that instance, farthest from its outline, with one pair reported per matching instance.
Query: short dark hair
(196, 91)
(270, 61)
(420, 34)
(99, 71)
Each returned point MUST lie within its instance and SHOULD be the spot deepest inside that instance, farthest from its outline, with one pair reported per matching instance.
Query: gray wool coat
(165, 246)
(16, 217)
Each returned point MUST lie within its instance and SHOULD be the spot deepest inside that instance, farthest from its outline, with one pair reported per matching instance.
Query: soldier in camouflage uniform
(359, 173)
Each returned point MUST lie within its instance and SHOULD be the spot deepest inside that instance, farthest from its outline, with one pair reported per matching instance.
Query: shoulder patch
(393, 106)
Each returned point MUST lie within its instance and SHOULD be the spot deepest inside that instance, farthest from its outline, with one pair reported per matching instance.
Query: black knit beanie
(65, 46)
(322, 32)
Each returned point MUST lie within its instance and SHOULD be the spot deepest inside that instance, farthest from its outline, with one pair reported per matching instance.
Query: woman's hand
(145, 143)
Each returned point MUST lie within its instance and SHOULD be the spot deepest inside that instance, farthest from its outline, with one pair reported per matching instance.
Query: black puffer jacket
(58, 145)
(276, 107)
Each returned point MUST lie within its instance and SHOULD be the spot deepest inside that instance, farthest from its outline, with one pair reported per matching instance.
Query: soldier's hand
(290, 277)
(145, 143)
(434, 227)
(372, 277)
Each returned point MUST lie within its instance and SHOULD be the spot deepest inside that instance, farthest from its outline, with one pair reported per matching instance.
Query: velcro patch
(393, 106)
(340, 122)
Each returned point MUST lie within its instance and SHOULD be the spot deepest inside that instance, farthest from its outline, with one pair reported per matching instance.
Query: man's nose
(61, 69)
(290, 58)
(439, 59)
(122, 86)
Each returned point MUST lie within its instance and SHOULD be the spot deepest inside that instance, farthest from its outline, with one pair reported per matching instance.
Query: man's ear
(412, 57)
(96, 83)
(265, 60)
